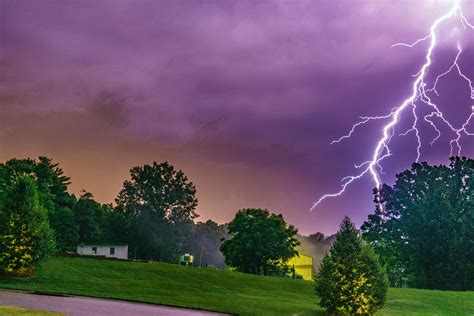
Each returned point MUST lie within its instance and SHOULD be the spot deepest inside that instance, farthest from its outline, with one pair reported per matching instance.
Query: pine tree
(351, 280)
(26, 236)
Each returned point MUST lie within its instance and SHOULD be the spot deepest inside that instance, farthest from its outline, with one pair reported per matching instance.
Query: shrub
(351, 280)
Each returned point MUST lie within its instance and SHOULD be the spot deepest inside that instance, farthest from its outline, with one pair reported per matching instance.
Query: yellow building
(303, 266)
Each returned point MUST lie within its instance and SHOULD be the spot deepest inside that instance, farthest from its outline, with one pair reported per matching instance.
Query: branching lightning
(420, 96)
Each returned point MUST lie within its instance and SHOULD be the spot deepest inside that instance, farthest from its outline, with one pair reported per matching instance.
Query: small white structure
(105, 250)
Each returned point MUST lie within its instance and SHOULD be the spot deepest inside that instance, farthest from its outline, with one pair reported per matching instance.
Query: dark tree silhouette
(425, 229)
(260, 242)
(158, 205)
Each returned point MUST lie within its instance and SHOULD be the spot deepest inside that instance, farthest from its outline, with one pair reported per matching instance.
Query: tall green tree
(90, 217)
(425, 227)
(260, 243)
(63, 222)
(158, 204)
(26, 235)
(52, 194)
(351, 280)
(118, 227)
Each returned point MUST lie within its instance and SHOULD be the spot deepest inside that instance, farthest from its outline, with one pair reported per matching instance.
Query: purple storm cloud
(243, 96)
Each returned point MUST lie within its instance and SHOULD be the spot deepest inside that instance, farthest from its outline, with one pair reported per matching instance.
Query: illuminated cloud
(244, 96)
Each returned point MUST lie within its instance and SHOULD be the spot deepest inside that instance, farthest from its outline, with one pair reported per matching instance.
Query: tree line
(421, 233)
(422, 227)
(154, 214)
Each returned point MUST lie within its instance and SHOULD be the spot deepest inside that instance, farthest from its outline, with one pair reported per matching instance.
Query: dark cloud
(111, 108)
(244, 96)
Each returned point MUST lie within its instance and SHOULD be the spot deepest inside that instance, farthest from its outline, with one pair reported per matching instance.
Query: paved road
(85, 306)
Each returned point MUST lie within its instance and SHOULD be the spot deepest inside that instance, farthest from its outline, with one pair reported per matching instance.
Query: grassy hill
(215, 290)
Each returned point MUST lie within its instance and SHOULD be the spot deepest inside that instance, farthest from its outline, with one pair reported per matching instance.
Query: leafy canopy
(260, 242)
(425, 228)
(91, 219)
(156, 208)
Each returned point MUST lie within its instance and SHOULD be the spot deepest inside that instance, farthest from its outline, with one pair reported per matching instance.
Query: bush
(351, 280)
(19, 273)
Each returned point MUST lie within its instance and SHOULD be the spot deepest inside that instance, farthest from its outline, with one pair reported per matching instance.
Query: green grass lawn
(14, 311)
(215, 290)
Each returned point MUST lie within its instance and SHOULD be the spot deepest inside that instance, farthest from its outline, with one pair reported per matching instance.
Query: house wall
(104, 250)
(303, 266)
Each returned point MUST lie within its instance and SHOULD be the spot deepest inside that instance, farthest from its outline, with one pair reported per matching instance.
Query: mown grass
(14, 311)
(215, 290)
(426, 302)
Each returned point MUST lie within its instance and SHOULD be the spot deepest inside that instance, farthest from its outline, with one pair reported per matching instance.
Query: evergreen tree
(351, 280)
(52, 191)
(53, 186)
(26, 236)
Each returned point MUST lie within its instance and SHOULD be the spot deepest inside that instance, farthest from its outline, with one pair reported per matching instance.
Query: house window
(94, 250)
(112, 250)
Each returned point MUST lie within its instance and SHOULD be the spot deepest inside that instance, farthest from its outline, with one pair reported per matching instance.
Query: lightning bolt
(420, 96)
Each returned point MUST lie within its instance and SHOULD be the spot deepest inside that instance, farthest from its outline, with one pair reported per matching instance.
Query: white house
(107, 250)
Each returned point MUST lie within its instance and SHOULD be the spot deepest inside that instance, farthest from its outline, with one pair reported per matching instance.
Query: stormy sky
(243, 96)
